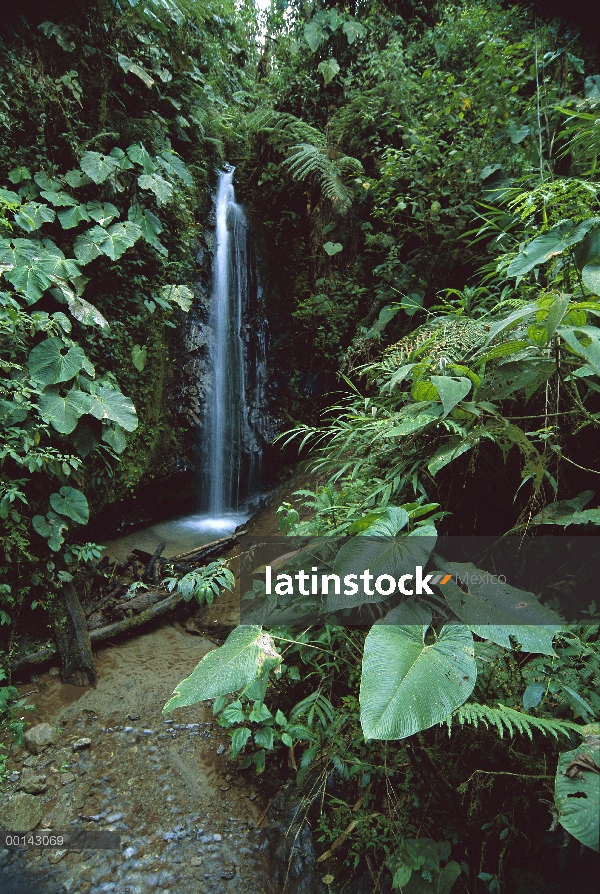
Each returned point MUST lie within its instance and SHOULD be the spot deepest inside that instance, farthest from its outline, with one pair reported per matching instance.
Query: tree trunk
(72, 638)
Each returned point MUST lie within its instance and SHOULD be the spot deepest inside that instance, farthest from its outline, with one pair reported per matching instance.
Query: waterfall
(231, 441)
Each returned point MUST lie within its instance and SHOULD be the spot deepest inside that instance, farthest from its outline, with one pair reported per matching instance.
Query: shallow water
(180, 534)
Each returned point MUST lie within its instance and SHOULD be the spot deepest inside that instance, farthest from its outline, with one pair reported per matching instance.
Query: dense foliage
(422, 179)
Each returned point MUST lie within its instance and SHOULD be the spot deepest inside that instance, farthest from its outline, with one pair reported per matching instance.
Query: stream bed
(188, 823)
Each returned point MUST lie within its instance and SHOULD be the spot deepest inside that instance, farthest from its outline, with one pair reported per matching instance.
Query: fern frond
(502, 717)
(306, 160)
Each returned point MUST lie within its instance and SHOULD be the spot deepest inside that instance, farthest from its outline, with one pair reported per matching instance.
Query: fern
(308, 154)
(502, 717)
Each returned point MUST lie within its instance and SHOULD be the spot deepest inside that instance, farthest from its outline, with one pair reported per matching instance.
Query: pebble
(80, 744)
(220, 749)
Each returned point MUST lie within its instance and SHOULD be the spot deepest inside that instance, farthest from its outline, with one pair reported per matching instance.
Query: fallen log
(214, 548)
(103, 633)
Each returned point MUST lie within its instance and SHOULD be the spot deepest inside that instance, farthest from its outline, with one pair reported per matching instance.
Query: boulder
(22, 812)
(39, 736)
(32, 782)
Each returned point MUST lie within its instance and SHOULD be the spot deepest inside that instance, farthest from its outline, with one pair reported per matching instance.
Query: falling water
(231, 441)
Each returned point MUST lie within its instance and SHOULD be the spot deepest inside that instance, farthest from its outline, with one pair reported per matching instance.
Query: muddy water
(188, 822)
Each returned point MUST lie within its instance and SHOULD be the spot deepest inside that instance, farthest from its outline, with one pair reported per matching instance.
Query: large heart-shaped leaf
(394, 556)
(578, 799)
(73, 217)
(63, 413)
(353, 30)
(451, 390)
(33, 215)
(98, 167)
(328, 68)
(149, 225)
(108, 403)
(102, 212)
(558, 239)
(176, 166)
(591, 351)
(52, 361)
(314, 35)
(29, 279)
(138, 154)
(161, 188)
(496, 611)
(72, 503)
(247, 654)
(407, 685)
(180, 295)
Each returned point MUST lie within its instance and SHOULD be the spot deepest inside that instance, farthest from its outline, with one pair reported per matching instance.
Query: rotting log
(150, 608)
(103, 633)
(72, 638)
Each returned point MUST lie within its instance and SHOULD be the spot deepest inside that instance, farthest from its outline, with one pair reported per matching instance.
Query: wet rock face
(289, 843)
(39, 736)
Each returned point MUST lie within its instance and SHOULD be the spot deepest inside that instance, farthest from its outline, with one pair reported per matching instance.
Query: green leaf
(52, 361)
(72, 503)
(516, 375)
(591, 278)
(563, 511)
(180, 295)
(533, 695)
(417, 422)
(578, 800)
(328, 68)
(451, 390)
(353, 30)
(18, 175)
(138, 154)
(406, 685)
(239, 737)
(138, 357)
(247, 654)
(51, 528)
(161, 188)
(494, 610)
(388, 523)
(176, 166)
(128, 65)
(150, 226)
(445, 455)
(314, 35)
(558, 239)
(58, 198)
(10, 197)
(114, 437)
(108, 403)
(332, 248)
(30, 279)
(33, 215)
(77, 178)
(102, 212)
(113, 242)
(73, 217)
(590, 352)
(63, 412)
(380, 555)
(264, 738)
(98, 167)
(87, 314)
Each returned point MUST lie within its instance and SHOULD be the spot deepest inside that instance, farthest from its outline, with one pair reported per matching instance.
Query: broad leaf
(314, 35)
(176, 166)
(496, 611)
(30, 279)
(161, 188)
(112, 242)
(353, 30)
(558, 239)
(332, 248)
(149, 225)
(395, 556)
(72, 503)
(138, 357)
(445, 455)
(87, 314)
(138, 154)
(108, 403)
(591, 278)
(563, 511)
(58, 198)
(180, 295)
(590, 352)
(516, 375)
(533, 695)
(451, 390)
(328, 68)
(73, 217)
(115, 438)
(63, 412)
(102, 212)
(247, 654)
(408, 686)
(33, 215)
(98, 167)
(52, 361)
(128, 65)
(578, 800)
